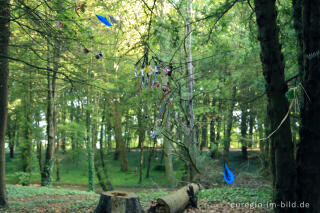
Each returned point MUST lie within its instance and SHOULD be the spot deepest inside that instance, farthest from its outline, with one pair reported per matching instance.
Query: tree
(284, 173)
(4, 76)
(309, 149)
(227, 138)
(46, 174)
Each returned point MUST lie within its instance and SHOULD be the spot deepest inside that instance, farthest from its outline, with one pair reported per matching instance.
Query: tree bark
(243, 129)
(190, 137)
(119, 202)
(175, 202)
(309, 149)
(46, 174)
(4, 76)
(168, 154)
(278, 106)
(26, 146)
(119, 139)
(251, 125)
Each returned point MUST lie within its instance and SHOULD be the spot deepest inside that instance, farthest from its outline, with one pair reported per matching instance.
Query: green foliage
(147, 196)
(290, 94)
(23, 178)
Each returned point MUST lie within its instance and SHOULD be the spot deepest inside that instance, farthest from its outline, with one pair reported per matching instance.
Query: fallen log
(176, 201)
(119, 202)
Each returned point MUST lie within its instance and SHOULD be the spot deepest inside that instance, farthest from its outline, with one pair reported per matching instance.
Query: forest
(160, 106)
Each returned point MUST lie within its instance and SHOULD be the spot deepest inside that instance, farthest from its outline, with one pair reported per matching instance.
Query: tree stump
(119, 202)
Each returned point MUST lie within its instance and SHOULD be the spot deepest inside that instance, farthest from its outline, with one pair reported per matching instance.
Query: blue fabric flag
(104, 20)
(227, 174)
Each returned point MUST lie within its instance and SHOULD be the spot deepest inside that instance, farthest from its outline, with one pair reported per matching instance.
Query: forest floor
(27, 199)
(70, 193)
(75, 165)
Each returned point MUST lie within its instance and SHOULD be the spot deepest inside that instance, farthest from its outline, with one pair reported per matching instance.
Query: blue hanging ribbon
(104, 20)
(227, 174)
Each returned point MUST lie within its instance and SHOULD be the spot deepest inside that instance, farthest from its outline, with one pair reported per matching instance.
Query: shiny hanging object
(227, 174)
(148, 70)
(165, 70)
(135, 71)
(104, 20)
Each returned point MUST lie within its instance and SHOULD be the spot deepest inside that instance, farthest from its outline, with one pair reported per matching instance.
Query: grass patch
(74, 170)
(236, 195)
(15, 192)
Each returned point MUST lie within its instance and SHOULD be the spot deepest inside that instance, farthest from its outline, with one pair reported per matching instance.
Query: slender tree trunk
(227, 136)
(101, 140)
(57, 160)
(213, 142)
(39, 154)
(141, 135)
(190, 138)
(4, 75)
(153, 146)
(11, 131)
(273, 70)
(168, 154)
(243, 128)
(119, 139)
(109, 141)
(90, 154)
(73, 144)
(204, 129)
(150, 157)
(219, 118)
(309, 149)
(46, 175)
(26, 145)
(251, 125)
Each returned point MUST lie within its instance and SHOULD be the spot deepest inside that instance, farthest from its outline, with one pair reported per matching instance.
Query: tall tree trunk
(213, 142)
(227, 137)
(4, 75)
(251, 125)
(141, 139)
(309, 149)
(46, 174)
(101, 139)
(90, 153)
(154, 144)
(57, 160)
(109, 141)
(119, 139)
(243, 129)
(168, 154)
(26, 145)
(12, 132)
(219, 118)
(278, 106)
(190, 138)
(204, 129)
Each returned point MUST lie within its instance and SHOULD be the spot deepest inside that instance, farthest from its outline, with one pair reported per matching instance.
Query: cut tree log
(175, 202)
(119, 202)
